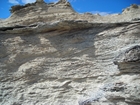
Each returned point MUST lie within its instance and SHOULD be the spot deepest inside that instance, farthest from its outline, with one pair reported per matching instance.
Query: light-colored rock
(75, 61)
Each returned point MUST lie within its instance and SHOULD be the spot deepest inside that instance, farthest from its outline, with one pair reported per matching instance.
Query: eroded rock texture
(69, 62)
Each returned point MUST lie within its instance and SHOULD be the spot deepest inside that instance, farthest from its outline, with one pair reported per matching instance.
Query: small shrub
(15, 8)
(18, 7)
(135, 6)
(127, 9)
(88, 13)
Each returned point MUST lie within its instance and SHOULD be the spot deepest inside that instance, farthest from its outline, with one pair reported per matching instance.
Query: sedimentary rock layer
(65, 62)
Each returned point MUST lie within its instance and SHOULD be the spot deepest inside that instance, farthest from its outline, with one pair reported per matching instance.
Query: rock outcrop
(51, 55)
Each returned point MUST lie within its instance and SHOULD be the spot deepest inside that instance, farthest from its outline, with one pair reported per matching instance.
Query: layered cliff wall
(71, 60)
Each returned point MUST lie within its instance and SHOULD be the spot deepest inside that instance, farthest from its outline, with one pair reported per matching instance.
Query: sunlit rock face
(53, 57)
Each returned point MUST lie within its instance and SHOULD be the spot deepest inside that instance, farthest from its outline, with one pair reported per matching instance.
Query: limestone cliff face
(69, 61)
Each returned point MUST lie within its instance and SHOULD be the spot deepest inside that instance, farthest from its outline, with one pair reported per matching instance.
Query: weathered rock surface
(50, 61)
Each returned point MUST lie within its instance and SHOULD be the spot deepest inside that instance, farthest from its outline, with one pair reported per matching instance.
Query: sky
(103, 7)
